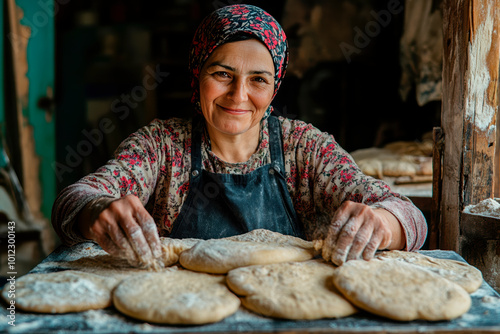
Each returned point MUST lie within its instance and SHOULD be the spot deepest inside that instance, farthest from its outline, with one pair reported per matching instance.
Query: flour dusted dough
(400, 291)
(267, 236)
(61, 292)
(218, 256)
(465, 275)
(291, 290)
(176, 297)
(172, 248)
(380, 162)
(103, 264)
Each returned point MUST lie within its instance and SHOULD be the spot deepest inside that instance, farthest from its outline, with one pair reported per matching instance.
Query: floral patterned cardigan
(154, 164)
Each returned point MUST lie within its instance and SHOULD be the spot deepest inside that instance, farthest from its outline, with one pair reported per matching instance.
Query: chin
(233, 129)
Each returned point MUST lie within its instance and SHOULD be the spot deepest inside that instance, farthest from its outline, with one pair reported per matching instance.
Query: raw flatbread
(101, 263)
(172, 248)
(465, 275)
(61, 292)
(400, 291)
(380, 162)
(267, 236)
(219, 256)
(176, 297)
(292, 290)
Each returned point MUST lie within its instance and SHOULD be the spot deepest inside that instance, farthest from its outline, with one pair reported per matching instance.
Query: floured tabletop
(484, 315)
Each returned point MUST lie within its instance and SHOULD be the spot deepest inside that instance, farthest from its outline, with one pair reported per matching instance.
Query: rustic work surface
(484, 315)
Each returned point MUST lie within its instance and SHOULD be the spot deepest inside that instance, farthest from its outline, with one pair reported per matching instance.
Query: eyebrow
(216, 63)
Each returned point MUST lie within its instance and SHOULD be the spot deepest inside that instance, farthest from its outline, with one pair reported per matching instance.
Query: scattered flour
(488, 207)
(62, 292)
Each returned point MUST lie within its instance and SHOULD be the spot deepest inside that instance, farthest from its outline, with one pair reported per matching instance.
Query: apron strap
(275, 144)
(196, 131)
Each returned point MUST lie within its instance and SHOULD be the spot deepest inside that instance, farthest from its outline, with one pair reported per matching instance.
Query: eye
(221, 74)
(260, 79)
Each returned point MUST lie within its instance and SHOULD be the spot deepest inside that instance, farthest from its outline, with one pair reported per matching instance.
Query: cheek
(263, 98)
(208, 90)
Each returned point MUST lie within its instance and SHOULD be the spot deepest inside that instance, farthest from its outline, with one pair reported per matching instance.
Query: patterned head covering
(217, 28)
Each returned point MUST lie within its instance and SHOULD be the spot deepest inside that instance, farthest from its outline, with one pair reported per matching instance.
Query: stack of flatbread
(205, 281)
(397, 159)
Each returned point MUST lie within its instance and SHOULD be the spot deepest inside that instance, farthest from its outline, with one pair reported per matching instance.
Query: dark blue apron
(223, 205)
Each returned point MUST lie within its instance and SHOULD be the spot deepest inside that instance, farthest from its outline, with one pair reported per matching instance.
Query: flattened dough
(400, 291)
(219, 256)
(465, 275)
(176, 297)
(267, 236)
(103, 264)
(61, 292)
(291, 290)
(172, 248)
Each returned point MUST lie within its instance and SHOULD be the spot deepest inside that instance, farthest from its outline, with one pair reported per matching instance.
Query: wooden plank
(479, 228)
(455, 42)
(497, 155)
(470, 100)
(437, 183)
(481, 102)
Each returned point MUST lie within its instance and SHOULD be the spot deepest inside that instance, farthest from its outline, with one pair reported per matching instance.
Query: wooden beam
(437, 183)
(455, 40)
(478, 228)
(470, 100)
(496, 187)
(481, 102)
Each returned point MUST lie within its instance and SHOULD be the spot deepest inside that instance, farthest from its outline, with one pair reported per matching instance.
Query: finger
(373, 245)
(345, 239)
(116, 235)
(109, 246)
(360, 242)
(137, 239)
(150, 233)
(334, 228)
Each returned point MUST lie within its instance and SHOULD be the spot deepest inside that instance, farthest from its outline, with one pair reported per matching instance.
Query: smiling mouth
(234, 111)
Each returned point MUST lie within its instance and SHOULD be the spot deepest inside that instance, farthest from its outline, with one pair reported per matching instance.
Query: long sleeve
(134, 170)
(323, 176)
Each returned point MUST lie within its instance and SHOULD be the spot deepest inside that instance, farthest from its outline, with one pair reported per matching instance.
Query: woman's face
(236, 86)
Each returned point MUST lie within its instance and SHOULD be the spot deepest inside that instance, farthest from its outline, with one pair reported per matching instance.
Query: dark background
(103, 50)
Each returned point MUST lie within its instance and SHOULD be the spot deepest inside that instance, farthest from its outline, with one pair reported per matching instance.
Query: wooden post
(437, 182)
(470, 100)
(497, 153)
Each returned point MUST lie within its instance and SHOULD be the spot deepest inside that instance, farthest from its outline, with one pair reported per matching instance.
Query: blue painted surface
(39, 16)
(2, 92)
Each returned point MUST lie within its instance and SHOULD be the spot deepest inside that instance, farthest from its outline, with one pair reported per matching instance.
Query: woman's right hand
(122, 227)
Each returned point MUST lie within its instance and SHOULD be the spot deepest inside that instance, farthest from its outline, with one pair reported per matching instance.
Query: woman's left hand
(358, 231)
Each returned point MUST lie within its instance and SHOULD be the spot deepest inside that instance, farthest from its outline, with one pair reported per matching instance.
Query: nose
(239, 91)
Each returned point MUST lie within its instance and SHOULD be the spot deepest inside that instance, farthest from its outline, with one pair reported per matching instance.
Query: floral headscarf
(217, 28)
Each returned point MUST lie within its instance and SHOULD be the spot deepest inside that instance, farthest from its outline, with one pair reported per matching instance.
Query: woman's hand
(358, 231)
(122, 227)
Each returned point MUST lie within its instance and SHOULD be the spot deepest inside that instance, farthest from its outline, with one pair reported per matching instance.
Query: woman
(235, 168)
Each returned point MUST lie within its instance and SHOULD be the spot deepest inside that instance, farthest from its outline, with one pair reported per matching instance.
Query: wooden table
(483, 317)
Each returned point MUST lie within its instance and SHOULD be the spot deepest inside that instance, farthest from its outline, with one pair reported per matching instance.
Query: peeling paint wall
(481, 107)
(481, 116)
(19, 37)
(30, 38)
